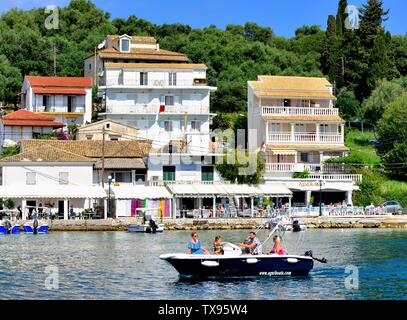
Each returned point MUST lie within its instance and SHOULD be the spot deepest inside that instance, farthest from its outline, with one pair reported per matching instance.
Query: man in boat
(251, 245)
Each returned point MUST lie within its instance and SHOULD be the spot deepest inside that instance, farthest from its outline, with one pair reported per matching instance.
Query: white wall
(47, 175)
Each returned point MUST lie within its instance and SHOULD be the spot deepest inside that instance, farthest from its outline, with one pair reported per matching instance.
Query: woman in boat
(194, 246)
(277, 248)
(217, 245)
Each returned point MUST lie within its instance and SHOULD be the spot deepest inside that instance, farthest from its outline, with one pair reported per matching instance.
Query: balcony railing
(60, 109)
(305, 138)
(156, 83)
(356, 178)
(304, 111)
(154, 109)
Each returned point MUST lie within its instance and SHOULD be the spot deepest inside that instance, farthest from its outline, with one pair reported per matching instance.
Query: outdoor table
(88, 215)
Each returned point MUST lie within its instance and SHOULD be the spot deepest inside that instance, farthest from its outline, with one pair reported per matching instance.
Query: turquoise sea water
(121, 265)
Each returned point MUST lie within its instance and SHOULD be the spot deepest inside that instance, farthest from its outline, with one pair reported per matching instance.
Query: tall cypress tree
(372, 17)
(331, 51)
(341, 17)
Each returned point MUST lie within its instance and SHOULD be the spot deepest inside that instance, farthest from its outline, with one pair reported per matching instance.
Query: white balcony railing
(60, 109)
(355, 178)
(305, 138)
(154, 109)
(154, 83)
(304, 111)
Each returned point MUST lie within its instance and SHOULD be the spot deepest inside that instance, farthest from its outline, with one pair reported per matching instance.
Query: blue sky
(283, 16)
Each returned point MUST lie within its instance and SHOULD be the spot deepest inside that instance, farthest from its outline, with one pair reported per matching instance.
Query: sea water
(362, 264)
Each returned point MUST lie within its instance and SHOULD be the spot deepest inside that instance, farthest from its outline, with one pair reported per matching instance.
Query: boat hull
(220, 266)
(144, 228)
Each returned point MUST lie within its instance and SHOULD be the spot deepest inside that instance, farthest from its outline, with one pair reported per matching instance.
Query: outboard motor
(296, 226)
(35, 226)
(153, 226)
(7, 225)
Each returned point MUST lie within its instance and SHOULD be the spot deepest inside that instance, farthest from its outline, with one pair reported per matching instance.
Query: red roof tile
(68, 82)
(29, 119)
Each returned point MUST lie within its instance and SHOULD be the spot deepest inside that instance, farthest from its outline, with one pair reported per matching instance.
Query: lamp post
(110, 180)
(321, 182)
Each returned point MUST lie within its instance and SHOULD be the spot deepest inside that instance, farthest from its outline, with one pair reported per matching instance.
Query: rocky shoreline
(232, 224)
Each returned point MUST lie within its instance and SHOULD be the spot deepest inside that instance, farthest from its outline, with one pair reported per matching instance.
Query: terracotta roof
(59, 91)
(302, 147)
(144, 54)
(136, 39)
(186, 66)
(68, 82)
(298, 87)
(93, 148)
(30, 119)
(46, 153)
(122, 163)
(304, 118)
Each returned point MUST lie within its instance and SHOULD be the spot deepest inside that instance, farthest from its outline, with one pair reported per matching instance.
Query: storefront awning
(198, 190)
(141, 192)
(52, 192)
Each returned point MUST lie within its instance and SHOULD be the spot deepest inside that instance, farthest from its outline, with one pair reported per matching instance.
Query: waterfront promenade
(232, 223)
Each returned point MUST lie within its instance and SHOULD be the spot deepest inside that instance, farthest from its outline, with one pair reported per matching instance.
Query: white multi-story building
(67, 99)
(163, 95)
(294, 121)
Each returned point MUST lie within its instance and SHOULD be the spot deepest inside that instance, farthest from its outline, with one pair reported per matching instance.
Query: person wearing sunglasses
(194, 246)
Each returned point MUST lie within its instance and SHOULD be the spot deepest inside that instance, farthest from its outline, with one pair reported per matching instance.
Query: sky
(283, 16)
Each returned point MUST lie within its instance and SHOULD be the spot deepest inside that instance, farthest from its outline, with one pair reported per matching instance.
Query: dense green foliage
(234, 55)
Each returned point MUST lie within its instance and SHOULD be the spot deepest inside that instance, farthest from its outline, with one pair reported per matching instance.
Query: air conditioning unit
(155, 178)
(159, 83)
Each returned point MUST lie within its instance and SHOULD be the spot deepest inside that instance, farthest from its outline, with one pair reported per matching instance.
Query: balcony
(60, 109)
(305, 138)
(155, 83)
(154, 109)
(317, 171)
(294, 111)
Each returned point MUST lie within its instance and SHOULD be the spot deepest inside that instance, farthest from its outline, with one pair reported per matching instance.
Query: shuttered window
(169, 173)
(64, 178)
(207, 173)
(31, 178)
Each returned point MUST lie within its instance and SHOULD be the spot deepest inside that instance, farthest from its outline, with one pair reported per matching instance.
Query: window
(31, 178)
(114, 138)
(172, 79)
(107, 125)
(71, 100)
(124, 45)
(36, 135)
(207, 173)
(124, 177)
(195, 125)
(140, 178)
(64, 178)
(45, 101)
(169, 173)
(90, 66)
(299, 128)
(168, 126)
(169, 100)
(304, 157)
(143, 79)
(324, 128)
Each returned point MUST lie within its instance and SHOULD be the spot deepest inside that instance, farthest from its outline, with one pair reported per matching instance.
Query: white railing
(60, 109)
(334, 211)
(280, 167)
(154, 109)
(305, 138)
(356, 178)
(152, 83)
(304, 111)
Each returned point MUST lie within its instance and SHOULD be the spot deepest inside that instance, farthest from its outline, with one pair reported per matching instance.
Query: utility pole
(55, 59)
(95, 82)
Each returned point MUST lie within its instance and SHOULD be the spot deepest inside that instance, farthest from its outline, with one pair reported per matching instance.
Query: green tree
(371, 19)
(341, 16)
(234, 172)
(384, 93)
(331, 53)
(10, 81)
(391, 128)
(349, 107)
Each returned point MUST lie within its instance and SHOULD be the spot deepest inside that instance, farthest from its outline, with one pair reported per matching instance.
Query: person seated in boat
(194, 246)
(277, 248)
(217, 245)
(250, 245)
